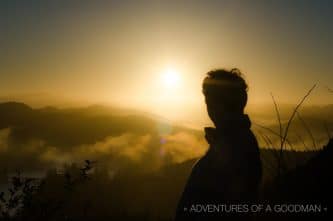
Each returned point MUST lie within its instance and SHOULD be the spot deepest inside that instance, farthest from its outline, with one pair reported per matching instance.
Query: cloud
(147, 151)
(182, 146)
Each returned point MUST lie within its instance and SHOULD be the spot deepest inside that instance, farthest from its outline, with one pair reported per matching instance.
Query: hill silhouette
(74, 126)
(67, 127)
(309, 182)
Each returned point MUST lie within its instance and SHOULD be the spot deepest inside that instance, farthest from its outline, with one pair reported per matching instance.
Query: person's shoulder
(201, 164)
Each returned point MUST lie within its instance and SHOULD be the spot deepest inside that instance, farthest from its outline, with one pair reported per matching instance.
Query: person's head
(225, 94)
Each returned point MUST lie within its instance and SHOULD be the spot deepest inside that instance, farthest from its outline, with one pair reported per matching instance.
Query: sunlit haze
(153, 55)
(171, 78)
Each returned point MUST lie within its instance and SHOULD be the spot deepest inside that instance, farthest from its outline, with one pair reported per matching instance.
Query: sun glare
(171, 78)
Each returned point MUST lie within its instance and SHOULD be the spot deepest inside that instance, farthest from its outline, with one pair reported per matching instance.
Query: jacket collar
(230, 126)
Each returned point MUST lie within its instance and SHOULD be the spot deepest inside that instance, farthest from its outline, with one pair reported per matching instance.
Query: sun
(171, 78)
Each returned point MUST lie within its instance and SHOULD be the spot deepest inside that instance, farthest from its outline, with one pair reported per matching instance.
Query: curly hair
(228, 87)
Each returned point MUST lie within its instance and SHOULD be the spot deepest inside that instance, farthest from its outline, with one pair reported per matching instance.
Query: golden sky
(153, 55)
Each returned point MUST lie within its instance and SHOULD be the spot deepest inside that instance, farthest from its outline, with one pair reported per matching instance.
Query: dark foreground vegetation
(91, 192)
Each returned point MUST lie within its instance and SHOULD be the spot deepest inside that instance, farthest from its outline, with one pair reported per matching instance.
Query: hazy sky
(118, 51)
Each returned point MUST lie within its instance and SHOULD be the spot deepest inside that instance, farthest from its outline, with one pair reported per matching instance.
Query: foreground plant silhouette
(23, 203)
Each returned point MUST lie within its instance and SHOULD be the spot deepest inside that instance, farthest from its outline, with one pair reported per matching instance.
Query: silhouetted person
(230, 171)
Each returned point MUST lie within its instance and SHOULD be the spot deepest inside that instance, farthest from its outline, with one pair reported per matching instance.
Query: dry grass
(284, 137)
